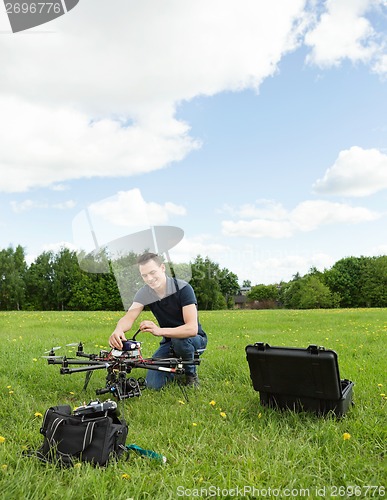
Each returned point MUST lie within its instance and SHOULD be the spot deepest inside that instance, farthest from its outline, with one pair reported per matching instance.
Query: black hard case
(299, 379)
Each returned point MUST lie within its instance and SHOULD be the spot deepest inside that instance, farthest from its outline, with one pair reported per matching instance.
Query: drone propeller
(53, 349)
(51, 352)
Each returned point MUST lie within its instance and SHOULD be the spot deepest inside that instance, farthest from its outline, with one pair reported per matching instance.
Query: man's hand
(149, 326)
(116, 338)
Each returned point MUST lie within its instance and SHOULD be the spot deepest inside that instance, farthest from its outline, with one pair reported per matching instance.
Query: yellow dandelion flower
(212, 403)
(78, 465)
(2, 439)
(11, 392)
(259, 415)
(125, 476)
(181, 402)
(194, 424)
(380, 385)
(4, 467)
(34, 359)
(346, 436)
(223, 414)
(38, 414)
(71, 392)
(9, 386)
(382, 394)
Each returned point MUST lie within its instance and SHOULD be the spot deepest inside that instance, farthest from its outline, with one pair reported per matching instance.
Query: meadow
(221, 443)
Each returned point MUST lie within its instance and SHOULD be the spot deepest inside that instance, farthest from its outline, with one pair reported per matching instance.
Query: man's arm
(189, 329)
(125, 324)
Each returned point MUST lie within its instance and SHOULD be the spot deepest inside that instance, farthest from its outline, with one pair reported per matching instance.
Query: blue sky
(259, 128)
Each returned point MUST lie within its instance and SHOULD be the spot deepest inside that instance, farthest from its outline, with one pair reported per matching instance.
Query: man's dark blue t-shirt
(169, 310)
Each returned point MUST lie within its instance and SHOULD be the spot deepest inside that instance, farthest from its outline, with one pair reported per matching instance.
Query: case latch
(314, 349)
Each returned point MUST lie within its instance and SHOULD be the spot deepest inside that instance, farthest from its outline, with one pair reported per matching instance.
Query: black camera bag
(96, 439)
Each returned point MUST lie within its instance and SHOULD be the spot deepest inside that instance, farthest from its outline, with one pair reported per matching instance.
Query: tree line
(350, 282)
(56, 281)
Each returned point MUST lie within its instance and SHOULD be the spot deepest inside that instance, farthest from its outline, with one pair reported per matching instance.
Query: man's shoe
(192, 380)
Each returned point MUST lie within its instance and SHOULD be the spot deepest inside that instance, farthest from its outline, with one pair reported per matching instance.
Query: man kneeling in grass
(174, 305)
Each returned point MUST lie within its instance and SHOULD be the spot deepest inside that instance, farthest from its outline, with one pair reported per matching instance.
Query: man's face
(153, 274)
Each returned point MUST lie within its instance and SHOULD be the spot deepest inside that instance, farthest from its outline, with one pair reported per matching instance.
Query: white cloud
(122, 215)
(27, 205)
(98, 96)
(79, 102)
(60, 187)
(201, 244)
(377, 251)
(60, 144)
(258, 228)
(251, 262)
(380, 66)
(283, 268)
(343, 32)
(160, 214)
(310, 215)
(261, 209)
(56, 247)
(306, 216)
(65, 205)
(129, 209)
(356, 172)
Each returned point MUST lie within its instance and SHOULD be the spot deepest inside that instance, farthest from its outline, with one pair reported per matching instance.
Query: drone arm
(170, 362)
(82, 354)
(75, 362)
(168, 369)
(66, 371)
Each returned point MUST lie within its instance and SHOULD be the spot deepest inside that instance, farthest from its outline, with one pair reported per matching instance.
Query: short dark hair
(147, 256)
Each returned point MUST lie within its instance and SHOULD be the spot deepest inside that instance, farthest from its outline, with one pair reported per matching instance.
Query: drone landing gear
(87, 379)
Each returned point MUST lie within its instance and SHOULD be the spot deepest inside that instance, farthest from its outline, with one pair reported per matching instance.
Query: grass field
(220, 444)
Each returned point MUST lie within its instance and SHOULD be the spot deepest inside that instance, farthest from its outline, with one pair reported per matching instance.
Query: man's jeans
(182, 348)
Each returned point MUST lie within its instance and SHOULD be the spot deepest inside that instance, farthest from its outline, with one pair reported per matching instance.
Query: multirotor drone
(118, 363)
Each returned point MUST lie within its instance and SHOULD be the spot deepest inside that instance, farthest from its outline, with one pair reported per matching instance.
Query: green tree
(346, 278)
(12, 278)
(374, 289)
(309, 293)
(95, 287)
(263, 293)
(66, 273)
(229, 285)
(40, 283)
(123, 281)
(206, 284)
